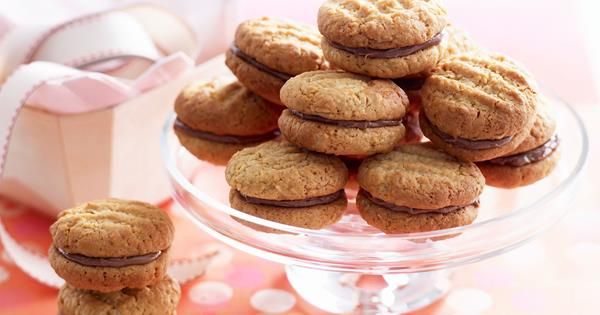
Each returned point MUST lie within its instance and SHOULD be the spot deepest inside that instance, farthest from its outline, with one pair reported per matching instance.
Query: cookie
(342, 113)
(535, 158)
(267, 52)
(158, 299)
(280, 182)
(478, 107)
(383, 38)
(418, 188)
(216, 119)
(111, 244)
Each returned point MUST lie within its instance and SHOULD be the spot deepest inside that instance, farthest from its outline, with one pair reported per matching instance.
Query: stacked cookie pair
(113, 257)
(485, 108)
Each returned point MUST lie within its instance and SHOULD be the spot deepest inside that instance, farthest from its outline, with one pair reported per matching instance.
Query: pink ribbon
(50, 68)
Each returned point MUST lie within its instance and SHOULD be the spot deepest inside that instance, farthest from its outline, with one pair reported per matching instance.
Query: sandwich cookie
(459, 43)
(158, 299)
(383, 38)
(215, 120)
(417, 188)
(478, 107)
(535, 158)
(111, 244)
(267, 52)
(280, 182)
(342, 113)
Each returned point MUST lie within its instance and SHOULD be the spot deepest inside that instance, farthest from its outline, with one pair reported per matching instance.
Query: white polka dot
(272, 301)
(224, 254)
(210, 293)
(4, 275)
(469, 301)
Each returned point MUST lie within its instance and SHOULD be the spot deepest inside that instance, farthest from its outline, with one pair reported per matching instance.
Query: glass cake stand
(328, 267)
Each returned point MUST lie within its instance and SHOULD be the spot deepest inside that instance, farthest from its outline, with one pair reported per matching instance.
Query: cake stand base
(352, 293)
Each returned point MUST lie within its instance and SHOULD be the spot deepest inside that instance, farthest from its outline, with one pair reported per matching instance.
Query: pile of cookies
(113, 257)
(353, 100)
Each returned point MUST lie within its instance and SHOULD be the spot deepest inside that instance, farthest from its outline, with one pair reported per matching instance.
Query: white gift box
(72, 139)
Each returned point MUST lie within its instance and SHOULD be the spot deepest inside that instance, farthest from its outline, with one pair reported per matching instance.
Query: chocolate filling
(392, 52)
(410, 84)
(409, 210)
(111, 262)
(228, 139)
(466, 143)
(528, 157)
(309, 202)
(360, 124)
(249, 60)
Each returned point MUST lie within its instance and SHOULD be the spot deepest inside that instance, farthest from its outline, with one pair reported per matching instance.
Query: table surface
(555, 274)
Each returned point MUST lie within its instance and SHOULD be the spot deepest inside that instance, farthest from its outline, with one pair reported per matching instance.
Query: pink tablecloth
(556, 274)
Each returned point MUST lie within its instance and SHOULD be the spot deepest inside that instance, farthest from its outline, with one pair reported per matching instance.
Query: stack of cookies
(113, 256)
(216, 119)
(361, 95)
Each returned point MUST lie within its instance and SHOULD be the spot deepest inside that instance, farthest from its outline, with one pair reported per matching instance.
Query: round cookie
(478, 107)
(217, 119)
(268, 51)
(280, 182)
(159, 299)
(342, 113)
(385, 38)
(535, 158)
(111, 244)
(417, 188)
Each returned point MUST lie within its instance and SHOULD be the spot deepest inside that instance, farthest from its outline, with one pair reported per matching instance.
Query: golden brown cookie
(418, 188)
(383, 38)
(268, 51)
(478, 107)
(535, 158)
(111, 244)
(217, 119)
(280, 182)
(342, 113)
(159, 299)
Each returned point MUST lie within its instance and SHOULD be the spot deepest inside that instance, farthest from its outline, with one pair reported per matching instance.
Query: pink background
(556, 274)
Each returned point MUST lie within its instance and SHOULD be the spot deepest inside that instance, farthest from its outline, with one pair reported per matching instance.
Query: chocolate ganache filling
(360, 124)
(409, 210)
(529, 157)
(112, 262)
(410, 84)
(392, 52)
(308, 202)
(250, 60)
(227, 139)
(467, 143)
